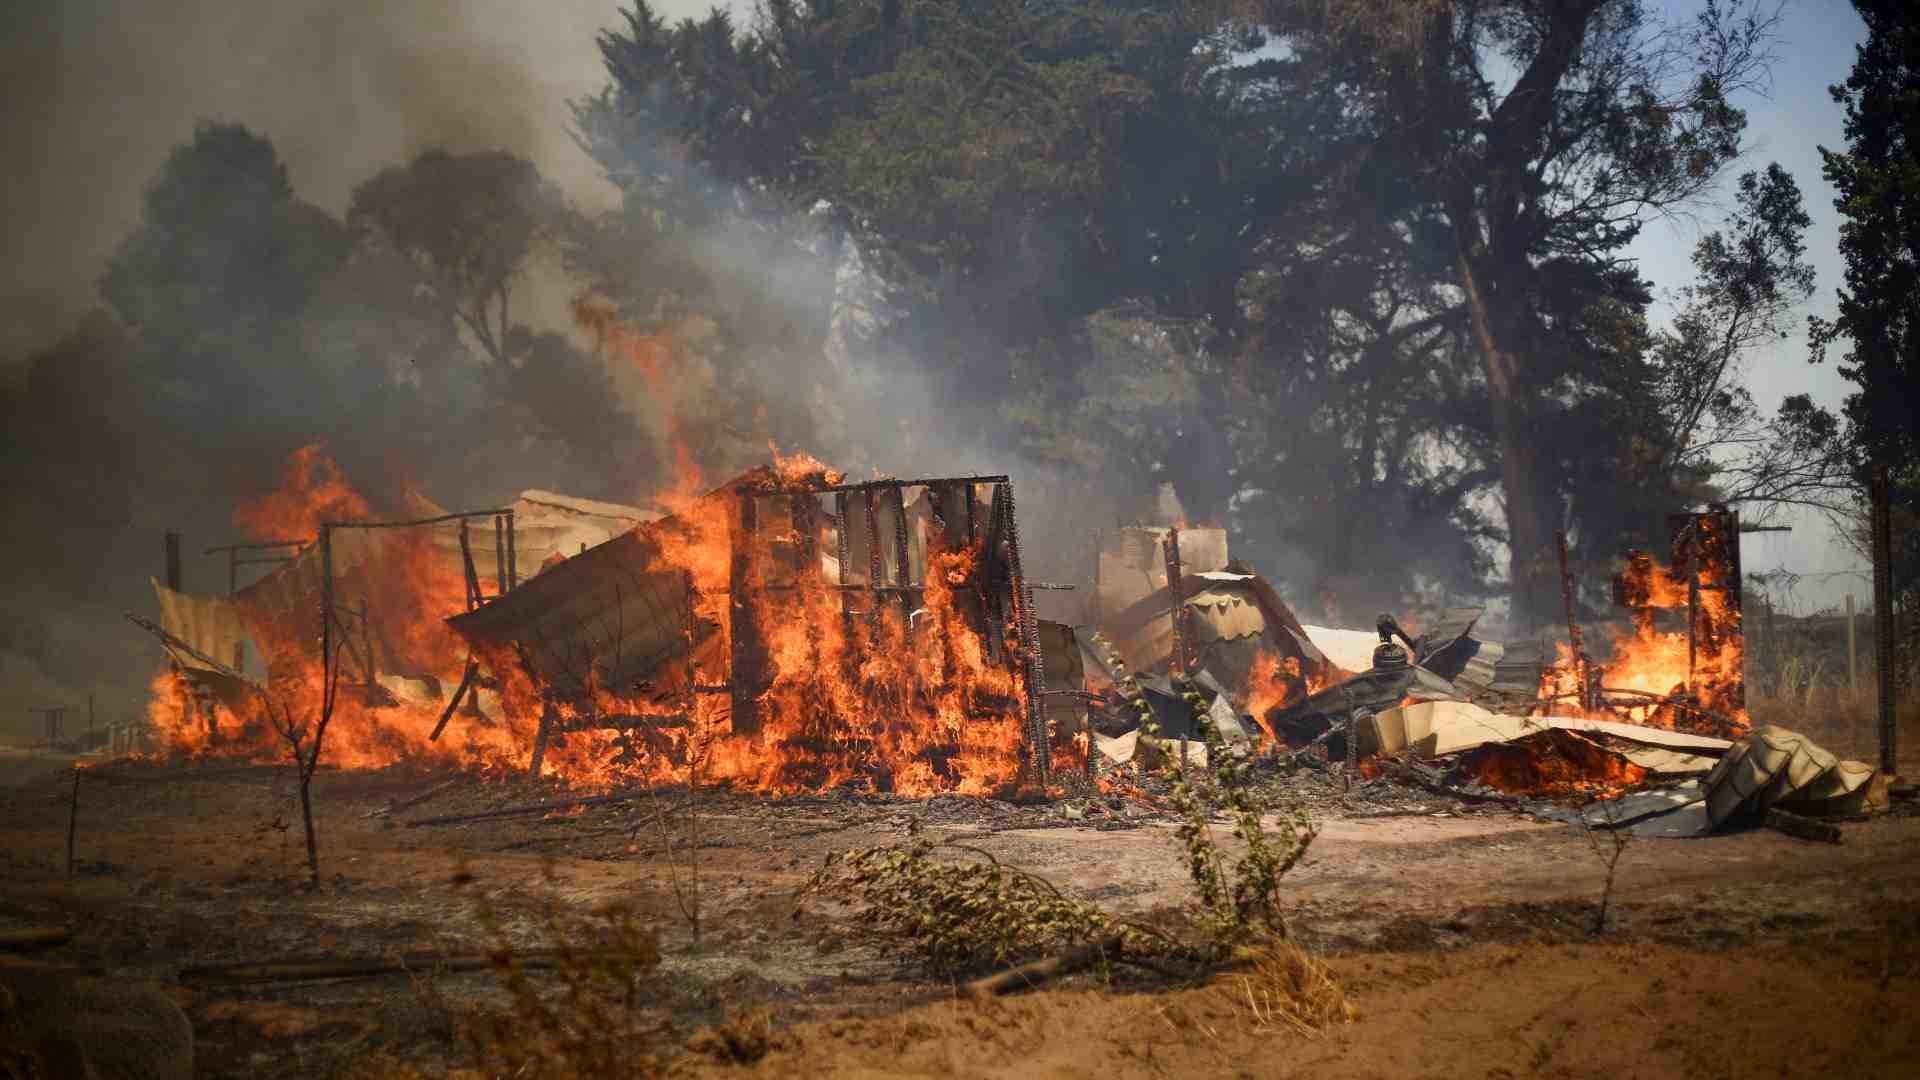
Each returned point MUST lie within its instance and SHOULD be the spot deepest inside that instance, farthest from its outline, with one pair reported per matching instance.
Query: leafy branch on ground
(596, 1022)
(964, 916)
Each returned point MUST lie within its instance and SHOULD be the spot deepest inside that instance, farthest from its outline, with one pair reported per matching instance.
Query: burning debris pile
(785, 631)
(1661, 712)
(789, 631)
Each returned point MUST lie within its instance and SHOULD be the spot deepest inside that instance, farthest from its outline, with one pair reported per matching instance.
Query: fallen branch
(523, 811)
(25, 938)
(1032, 974)
(1802, 828)
(304, 969)
(416, 800)
(459, 692)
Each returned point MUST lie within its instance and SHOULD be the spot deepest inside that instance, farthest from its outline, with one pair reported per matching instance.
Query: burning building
(784, 631)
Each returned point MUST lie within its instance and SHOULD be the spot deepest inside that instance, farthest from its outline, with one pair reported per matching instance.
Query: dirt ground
(1460, 932)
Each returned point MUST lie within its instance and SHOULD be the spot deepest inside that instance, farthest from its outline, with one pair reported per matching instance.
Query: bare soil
(1461, 932)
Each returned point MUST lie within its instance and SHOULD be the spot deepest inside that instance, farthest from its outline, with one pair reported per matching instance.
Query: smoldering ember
(935, 538)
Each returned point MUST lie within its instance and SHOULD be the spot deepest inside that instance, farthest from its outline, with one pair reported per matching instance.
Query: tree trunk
(306, 815)
(1881, 524)
(1532, 580)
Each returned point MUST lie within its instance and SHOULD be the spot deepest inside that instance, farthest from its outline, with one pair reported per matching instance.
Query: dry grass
(1285, 987)
(1801, 683)
(1844, 721)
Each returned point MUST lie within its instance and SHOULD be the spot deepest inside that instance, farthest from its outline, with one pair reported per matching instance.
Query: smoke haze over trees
(1348, 276)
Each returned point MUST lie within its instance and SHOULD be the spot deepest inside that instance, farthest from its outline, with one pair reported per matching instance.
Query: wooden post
(1177, 659)
(173, 561)
(1853, 651)
(900, 543)
(1881, 523)
(746, 657)
(1575, 642)
(73, 818)
(466, 563)
(513, 569)
(233, 586)
(499, 555)
(876, 566)
(1773, 641)
(547, 717)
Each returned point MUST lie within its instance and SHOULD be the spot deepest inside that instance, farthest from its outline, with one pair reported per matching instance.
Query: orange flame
(1658, 663)
(903, 699)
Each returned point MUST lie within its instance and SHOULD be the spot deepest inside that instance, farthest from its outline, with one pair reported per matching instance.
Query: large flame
(896, 699)
(1664, 665)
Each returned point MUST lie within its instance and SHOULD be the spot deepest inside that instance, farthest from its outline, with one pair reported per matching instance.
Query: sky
(96, 92)
(1814, 50)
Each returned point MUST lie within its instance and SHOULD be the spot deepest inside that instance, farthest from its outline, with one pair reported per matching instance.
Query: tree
(469, 224)
(216, 279)
(1752, 279)
(1607, 116)
(1878, 180)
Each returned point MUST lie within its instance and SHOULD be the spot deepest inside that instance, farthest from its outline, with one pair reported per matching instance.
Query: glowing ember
(1551, 763)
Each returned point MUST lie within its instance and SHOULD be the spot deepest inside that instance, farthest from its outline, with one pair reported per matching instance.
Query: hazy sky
(97, 91)
(1815, 50)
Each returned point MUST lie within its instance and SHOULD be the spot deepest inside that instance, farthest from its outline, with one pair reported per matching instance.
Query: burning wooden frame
(687, 624)
(1696, 681)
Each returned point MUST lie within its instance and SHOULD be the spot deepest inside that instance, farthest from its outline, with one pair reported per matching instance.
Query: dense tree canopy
(1297, 258)
(1350, 275)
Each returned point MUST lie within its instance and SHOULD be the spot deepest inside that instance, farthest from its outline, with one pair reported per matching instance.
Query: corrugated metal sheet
(283, 608)
(612, 613)
(545, 524)
(1772, 766)
(1132, 565)
(210, 624)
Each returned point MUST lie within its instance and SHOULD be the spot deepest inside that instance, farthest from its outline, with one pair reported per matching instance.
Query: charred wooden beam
(548, 718)
(459, 692)
(875, 568)
(466, 565)
(500, 555)
(1039, 746)
(903, 556)
(1177, 659)
(871, 485)
(746, 672)
(513, 570)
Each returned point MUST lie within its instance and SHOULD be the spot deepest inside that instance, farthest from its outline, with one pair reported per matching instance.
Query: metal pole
(173, 561)
(1883, 647)
(1853, 651)
(233, 586)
